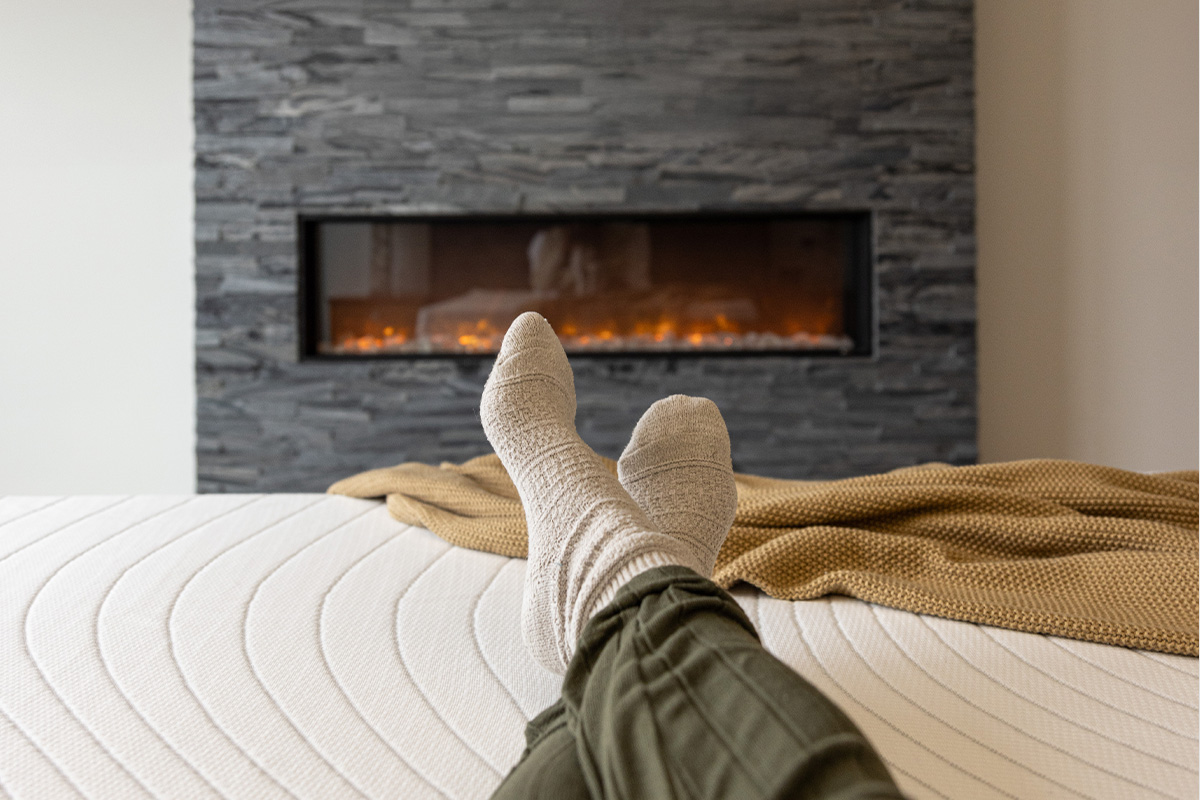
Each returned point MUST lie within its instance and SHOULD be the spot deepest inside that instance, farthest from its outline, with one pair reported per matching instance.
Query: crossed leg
(667, 690)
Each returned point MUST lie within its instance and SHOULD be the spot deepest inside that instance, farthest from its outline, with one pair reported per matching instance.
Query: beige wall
(97, 392)
(1087, 157)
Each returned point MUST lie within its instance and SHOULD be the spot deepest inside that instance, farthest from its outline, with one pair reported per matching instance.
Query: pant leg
(549, 768)
(671, 695)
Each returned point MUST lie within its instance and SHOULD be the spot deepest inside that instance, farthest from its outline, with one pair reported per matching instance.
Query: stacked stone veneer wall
(326, 106)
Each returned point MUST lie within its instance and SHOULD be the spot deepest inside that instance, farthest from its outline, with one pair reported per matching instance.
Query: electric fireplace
(610, 284)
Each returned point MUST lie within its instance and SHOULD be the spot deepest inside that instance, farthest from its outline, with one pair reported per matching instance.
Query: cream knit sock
(585, 531)
(678, 469)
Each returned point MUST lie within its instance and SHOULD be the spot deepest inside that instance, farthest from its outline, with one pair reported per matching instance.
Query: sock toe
(677, 468)
(528, 330)
(531, 380)
(673, 430)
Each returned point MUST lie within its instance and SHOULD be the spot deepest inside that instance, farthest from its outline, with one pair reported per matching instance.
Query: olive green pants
(670, 695)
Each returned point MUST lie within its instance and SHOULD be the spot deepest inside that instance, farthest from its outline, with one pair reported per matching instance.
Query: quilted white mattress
(311, 646)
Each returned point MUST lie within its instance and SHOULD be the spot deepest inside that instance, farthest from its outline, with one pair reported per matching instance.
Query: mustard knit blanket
(1053, 547)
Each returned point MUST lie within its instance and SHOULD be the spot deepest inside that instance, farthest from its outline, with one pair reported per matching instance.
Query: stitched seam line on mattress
(984, 630)
(104, 662)
(850, 697)
(29, 654)
(400, 657)
(1167, 664)
(254, 670)
(32, 511)
(64, 526)
(1122, 678)
(846, 636)
(175, 656)
(1005, 723)
(1050, 745)
(16, 725)
(338, 683)
(1009, 690)
(53, 764)
(479, 648)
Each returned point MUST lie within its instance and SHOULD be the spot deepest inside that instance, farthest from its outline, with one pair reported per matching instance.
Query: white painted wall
(1087, 146)
(96, 320)
(1087, 158)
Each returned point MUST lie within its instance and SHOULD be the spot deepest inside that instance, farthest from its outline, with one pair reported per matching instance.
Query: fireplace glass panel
(656, 284)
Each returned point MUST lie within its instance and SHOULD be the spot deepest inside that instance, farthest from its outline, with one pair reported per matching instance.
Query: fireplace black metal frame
(858, 286)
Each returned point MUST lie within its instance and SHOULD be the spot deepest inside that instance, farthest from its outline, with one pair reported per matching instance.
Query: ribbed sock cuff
(636, 566)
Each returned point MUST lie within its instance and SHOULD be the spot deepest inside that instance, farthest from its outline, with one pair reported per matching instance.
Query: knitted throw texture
(1053, 547)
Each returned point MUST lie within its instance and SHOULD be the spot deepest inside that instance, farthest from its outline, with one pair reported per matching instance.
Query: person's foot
(677, 467)
(587, 537)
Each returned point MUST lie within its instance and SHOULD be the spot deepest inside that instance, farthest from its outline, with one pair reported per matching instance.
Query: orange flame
(485, 335)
